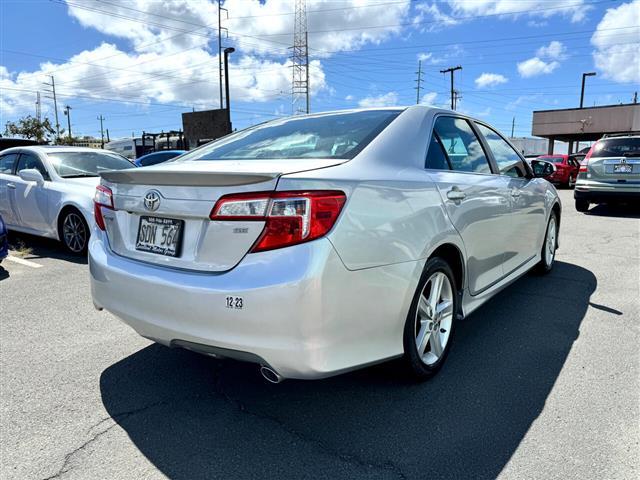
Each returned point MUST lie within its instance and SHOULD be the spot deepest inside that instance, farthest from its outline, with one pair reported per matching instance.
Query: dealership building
(575, 125)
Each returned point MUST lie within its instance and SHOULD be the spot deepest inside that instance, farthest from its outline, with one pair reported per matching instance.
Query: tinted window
(617, 147)
(157, 158)
(508, 160)
(461, 145)
(436, 157)
(6, 163)
(341, 135)
(86, 164)
(28, 160)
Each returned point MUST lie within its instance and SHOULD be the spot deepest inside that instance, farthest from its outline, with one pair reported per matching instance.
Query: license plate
(159, 235)
(622, 168)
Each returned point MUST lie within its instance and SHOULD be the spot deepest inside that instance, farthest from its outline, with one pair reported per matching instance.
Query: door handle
(515, 193)
(11, 185)
(456, 195)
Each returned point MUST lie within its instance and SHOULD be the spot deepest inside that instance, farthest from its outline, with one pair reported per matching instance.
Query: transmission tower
(38, 108)
(419, 81)
(300, 61)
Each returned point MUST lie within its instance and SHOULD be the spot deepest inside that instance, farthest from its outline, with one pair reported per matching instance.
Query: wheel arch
(450, 253)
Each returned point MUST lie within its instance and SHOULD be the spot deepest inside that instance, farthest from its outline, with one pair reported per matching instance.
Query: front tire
(582, 206)
(74, 232)
(548, 253)
(430, 323)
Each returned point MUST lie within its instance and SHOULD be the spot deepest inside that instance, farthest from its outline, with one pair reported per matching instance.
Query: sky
(141, 63)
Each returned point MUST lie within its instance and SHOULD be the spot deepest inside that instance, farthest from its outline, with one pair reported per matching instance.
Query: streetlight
(227, 51)
(585, 75)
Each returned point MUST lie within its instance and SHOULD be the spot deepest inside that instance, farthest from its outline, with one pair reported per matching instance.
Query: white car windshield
(340, 135)
(86, 164)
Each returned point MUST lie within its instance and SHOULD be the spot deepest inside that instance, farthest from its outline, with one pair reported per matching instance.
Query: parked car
(157, 157)
(610, 173)
(566, 169)
(4, 240)
(317, 244)
(48, 191)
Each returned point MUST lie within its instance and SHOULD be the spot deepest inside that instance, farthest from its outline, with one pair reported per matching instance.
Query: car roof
(51, 148)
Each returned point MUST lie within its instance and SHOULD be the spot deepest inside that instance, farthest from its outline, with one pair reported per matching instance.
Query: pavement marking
(22, 261)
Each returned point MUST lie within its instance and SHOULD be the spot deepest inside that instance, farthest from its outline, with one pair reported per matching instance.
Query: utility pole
(419, 81)
(67, 112)
(513, 126)
(55, 104)
(227, 51)
(220, 47)
(585, 75)
(38, 108)
(300, 59)
(635, 97)
(101, 118)
(453, 92)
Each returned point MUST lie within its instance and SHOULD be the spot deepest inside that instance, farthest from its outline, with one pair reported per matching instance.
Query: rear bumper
(303, 313)
(604, 195)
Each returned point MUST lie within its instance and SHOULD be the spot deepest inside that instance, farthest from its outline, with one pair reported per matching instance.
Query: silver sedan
(318, 244)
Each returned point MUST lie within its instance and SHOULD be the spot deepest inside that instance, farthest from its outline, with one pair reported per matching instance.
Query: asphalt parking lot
(542, 382)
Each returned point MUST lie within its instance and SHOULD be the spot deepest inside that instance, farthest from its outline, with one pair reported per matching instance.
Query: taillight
(102, 198)
(583, 165)
(290, 217)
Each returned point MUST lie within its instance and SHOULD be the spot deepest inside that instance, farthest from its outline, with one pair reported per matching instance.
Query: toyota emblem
(152, 200)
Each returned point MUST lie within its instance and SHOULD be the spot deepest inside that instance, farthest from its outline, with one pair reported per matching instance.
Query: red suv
(567, 167)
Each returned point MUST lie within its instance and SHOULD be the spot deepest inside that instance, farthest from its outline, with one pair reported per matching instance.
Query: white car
(322, 243)
(48, 191)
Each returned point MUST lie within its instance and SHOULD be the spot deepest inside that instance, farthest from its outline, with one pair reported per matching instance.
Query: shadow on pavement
(42, 247)
(3, 273)
(624, 210)
(194, 417)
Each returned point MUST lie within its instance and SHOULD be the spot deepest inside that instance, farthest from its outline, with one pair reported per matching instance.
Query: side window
(436, 158)
(28, 160)
(7, 162)
(508, 160)
(461, 145)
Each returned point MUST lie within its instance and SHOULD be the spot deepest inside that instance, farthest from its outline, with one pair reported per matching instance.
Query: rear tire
(582, 205)
(548, 253)
(430, 324)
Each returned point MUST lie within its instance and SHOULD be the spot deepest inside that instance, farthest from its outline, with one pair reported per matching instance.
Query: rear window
(340, 135)
(617, 147)
(86, 164)
(552, 159)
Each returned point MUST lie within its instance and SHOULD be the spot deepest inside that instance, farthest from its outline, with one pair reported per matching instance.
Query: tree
(31, 128)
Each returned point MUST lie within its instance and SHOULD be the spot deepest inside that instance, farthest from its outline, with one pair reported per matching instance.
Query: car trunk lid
(184, 194)
(614, 169)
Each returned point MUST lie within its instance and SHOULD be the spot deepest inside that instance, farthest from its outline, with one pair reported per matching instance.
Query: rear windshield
(86, 164)
(340, 135)
(552, 159)
(617, 147)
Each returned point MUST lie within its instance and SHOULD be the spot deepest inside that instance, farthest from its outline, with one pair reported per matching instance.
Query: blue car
(157, 157)
(4, 241)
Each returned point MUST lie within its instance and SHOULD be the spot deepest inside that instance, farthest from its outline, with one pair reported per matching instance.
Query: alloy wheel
(434, 317)
(550, 246)
(74, 232)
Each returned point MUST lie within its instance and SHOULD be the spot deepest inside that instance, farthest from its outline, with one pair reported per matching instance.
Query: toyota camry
(322, 243)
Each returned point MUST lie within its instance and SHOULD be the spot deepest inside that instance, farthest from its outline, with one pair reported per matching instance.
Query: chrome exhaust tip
(270, 375)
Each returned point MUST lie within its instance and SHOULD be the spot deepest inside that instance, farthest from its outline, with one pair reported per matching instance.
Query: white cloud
(555, 51)
(423, 57)
(386, 100)
(617, 53)
(535, 66)
(171, 53)
(349, 98)
(490, 80)
(576, 10)
(429, 98)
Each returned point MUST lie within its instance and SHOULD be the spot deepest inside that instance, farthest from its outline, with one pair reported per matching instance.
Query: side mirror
(542, 168)
(31, 175)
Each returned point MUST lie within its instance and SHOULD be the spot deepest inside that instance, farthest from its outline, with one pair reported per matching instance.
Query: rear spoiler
(189, 178)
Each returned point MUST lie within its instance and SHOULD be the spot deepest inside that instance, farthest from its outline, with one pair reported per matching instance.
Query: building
(575, 125)
(532, 145)
(89, 142)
